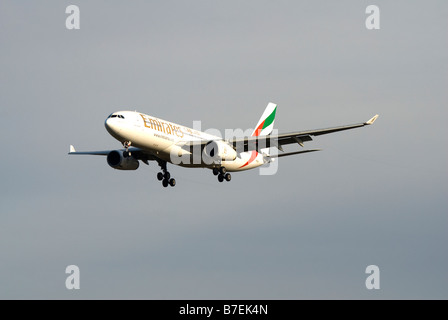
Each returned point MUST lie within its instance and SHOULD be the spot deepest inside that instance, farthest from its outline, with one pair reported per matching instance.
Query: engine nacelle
(116, 160)
(219, 151)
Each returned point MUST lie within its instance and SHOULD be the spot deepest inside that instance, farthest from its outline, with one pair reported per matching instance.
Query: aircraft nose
(107, 124)
(111, 125)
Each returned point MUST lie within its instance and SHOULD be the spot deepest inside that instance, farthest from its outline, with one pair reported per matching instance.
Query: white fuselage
(165, 139)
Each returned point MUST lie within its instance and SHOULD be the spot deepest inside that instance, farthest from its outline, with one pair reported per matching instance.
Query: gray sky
(376, 195)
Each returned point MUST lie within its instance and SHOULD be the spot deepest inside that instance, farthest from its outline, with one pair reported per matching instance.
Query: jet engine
(116, 160)
(219, 151)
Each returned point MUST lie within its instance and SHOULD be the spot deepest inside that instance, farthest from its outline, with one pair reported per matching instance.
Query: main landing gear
(222, 174)
(165, 176)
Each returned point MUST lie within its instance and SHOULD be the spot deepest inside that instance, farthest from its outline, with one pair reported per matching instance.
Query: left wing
(137, 153)
(261, 142)
(96, 153)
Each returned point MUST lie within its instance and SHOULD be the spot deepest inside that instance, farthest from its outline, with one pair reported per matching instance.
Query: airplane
(147, 138)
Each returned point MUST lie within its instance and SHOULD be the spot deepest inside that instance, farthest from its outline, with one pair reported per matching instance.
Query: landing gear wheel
(228, 177)
(126, 145)
(223, 170)
(215, 171)
(165, 176)
(220, 178)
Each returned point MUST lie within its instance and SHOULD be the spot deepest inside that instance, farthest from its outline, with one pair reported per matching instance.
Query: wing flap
(292, 153)
(261, 142)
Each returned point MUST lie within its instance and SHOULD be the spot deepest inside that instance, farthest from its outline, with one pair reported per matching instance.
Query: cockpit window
(116, 116)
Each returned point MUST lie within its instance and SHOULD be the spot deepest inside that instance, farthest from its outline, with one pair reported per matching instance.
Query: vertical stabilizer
(266, 122)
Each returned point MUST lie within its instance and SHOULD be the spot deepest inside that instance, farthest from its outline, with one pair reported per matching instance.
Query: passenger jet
(147, 138)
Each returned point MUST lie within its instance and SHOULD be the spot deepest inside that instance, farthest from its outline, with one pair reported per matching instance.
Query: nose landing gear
(126, 145)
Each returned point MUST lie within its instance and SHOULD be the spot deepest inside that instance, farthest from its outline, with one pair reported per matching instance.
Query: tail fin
(266, 122)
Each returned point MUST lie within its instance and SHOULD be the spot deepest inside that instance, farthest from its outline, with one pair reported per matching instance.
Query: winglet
(371, 120)
(72, 149)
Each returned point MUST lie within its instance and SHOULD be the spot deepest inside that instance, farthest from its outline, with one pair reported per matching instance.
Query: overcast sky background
(375, 195)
